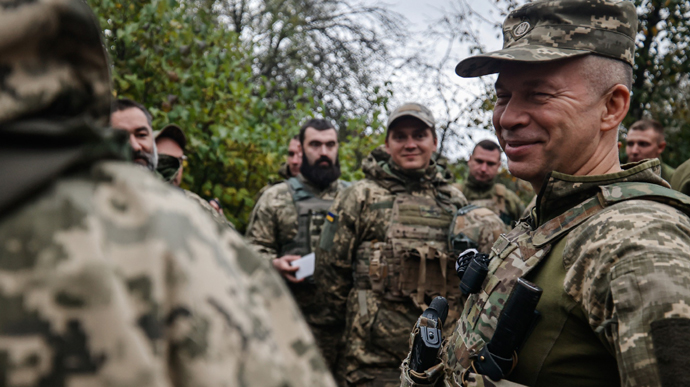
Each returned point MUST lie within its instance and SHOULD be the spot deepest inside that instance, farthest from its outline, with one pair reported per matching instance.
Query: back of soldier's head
(52, 62)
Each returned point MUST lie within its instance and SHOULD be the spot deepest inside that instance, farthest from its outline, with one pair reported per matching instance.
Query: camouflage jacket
(499, 199)
(273, 222)
(111, 277)
(272, 229)
(614, 267)
(376, 329)
(108, 276)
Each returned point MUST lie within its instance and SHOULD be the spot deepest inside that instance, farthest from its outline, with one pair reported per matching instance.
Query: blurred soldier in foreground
(609, 246)
(171, 143)
(286, 223)
(384, 252)
(645, 140)
(108, 276)
(481, 188)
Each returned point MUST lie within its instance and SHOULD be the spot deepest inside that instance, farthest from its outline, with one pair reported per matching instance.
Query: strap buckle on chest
(378, 270)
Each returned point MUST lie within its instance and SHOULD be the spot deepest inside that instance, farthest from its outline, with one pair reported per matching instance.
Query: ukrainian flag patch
(330, 217)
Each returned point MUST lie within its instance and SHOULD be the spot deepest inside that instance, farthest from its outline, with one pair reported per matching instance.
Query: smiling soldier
(608, 245)
(393, 228)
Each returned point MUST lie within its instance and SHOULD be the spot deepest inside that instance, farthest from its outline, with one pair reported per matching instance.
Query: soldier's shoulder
(277, 192)
(626, 227)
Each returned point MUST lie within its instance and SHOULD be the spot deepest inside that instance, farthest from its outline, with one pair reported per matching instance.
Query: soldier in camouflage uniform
(481, 188)
(287, 220)
(646, 140)
(386, 228)
(608, 244)
(108, 276)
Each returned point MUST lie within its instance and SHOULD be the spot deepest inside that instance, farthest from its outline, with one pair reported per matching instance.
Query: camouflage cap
(414, 110)
(546, 30)
(53, 61)
(173, 132)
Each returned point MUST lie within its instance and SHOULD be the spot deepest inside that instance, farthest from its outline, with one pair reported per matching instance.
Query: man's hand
(282, 264)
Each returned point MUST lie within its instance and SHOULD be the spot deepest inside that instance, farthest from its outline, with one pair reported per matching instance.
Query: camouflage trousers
(327, 336)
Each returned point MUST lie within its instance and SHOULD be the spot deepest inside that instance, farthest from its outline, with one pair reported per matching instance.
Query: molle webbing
(311, 215)
(413, 261)
(518, 253)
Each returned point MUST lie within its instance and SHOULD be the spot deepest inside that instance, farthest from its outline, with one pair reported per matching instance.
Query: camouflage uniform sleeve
(262, 225)
(517, 207)
(334, 256)
(631, 274)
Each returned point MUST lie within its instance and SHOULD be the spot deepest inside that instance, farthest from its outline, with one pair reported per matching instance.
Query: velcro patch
(671, 340)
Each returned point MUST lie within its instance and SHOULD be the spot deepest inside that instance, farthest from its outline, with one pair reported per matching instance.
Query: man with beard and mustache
(136, 120)
(389, 247)
(287, 220)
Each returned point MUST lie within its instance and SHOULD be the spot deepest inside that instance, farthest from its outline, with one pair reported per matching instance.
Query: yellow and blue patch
(330, 217)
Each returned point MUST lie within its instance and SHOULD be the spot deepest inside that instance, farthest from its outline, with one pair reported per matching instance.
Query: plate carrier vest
(311, 215)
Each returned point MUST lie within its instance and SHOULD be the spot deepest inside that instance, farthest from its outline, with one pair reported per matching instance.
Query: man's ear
(616, 105)
(661, 146)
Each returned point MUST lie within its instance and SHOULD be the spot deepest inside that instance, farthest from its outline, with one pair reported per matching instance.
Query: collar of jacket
(379, 167)
(332, 188)
(479, 187)
(35, 152)
(561, 192)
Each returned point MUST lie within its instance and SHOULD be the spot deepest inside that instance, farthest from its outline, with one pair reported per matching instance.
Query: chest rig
(518, 253)
(413, 262)
(311, 215)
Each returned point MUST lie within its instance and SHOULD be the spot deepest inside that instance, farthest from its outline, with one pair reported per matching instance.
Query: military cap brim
(548, 30)
(490, 63)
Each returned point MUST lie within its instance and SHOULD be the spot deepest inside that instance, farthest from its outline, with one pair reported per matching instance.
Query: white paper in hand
(306, 266)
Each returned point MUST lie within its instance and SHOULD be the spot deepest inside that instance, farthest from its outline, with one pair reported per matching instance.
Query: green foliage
(661, 82)
(187, 69)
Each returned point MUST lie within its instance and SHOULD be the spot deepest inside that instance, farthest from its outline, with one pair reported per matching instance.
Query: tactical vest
(311, 215)
(516, 255)
(497, 203)
(414, 261)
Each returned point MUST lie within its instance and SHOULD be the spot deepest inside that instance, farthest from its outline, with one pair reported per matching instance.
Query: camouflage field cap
(173, 132)
(546, 30)
(53, 61)
(414, 110)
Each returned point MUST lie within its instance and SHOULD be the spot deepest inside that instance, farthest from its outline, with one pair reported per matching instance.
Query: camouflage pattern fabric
(612, 264)
(546, 30)
(480, 225)
(376, 327)
(528, 209)
(273, 226)
(681, 178)
(114, 278)
(109, 276)
(499, 199)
